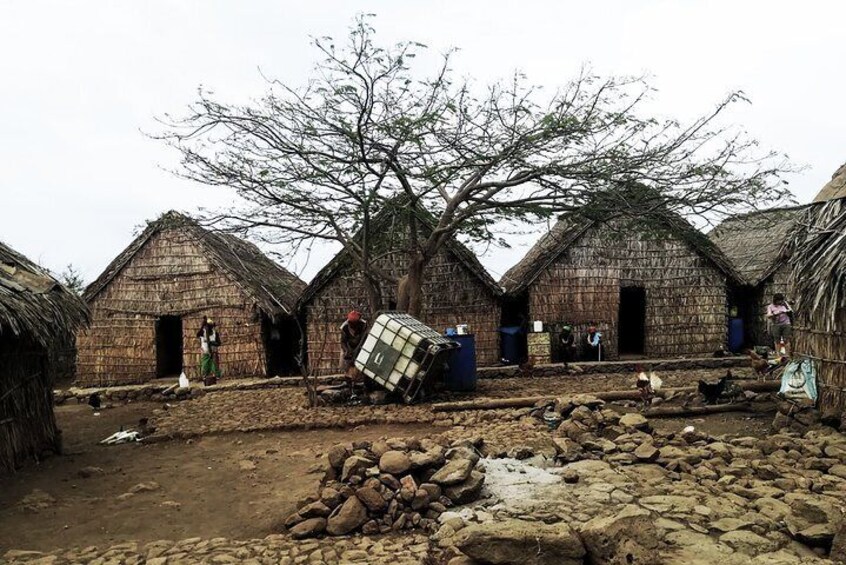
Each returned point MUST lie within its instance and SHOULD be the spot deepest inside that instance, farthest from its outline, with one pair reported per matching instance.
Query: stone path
(272, 550)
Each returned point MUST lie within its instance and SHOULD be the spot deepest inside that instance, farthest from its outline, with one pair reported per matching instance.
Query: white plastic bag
(183, 381)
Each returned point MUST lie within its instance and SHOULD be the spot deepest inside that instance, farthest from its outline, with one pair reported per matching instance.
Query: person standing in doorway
(780, 316)
(209, 344)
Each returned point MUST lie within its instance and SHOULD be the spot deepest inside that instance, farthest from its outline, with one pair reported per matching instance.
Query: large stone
(628, 537)
(589, 401)
(646, 452)
(838, 545)
(434, 490)
(337, 455)
(355, 465)
(748, 542)
(808, 510)
(772, 508)
(634, 421)
(347, 517)
(691, 548)
(308, 528)
(568, 450)
(315, 510)
(420, 500)
(408, 488)
(394, 462)
(518, 542)
(729, 524)
(591, 442)
(420, 460)
(468, 491)
(331, 497)
(454, 472)
(818, 535)
(371, 499)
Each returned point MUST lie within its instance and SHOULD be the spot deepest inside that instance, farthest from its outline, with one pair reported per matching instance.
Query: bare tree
(318, 162)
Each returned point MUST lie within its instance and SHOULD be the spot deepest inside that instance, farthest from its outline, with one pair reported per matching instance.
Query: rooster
(713, 391)
(761, 365)
(764, 367)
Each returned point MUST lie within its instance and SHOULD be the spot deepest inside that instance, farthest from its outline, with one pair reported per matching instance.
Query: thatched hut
(835, 188)
(755, 244)
(148, 305)
(655, 287)
(36, 314)
(818, 267)
(457, 290)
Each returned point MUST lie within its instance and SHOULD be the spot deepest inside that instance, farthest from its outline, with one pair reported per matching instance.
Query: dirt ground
(235, 485)
(211, 480)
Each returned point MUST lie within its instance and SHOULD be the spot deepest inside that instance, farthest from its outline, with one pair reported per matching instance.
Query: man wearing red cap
(353, 331)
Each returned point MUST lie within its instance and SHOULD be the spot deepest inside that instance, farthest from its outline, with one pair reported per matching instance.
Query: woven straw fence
(27, 423)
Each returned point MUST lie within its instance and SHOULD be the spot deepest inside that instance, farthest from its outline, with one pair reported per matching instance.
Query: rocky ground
(286, 409)
(628, 494)
(607, 486)
(273, 549)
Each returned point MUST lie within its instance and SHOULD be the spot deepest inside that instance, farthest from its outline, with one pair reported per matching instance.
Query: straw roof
(818, 261)
(754, 242)
(274, 289)
(573, 225)
(380, 224)
(33, 302)
(835, 188)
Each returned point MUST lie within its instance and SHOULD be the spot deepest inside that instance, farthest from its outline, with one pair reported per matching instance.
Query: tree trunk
(410, 288)
(374, 294)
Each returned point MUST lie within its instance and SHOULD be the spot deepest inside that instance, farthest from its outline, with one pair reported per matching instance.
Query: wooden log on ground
(679, 411)
(608, 396)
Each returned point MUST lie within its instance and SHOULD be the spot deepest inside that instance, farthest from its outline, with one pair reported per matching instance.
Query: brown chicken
(761, 366)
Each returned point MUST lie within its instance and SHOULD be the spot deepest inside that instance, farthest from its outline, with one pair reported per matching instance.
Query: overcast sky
(81, 80)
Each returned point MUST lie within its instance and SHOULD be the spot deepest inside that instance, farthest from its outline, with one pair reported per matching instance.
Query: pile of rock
(391, 485)
(798, 417)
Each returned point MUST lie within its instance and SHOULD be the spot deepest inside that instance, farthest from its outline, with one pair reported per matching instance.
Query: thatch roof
(835, 188)
(754, 242)
(572, 226)
(32, 302)
(380, 224)
(274, 289)
(818, 261)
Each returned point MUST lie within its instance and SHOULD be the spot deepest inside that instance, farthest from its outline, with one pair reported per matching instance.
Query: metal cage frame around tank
(400, 353)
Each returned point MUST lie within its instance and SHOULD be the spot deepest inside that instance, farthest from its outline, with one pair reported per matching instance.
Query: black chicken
(713, 391)
(94, 400)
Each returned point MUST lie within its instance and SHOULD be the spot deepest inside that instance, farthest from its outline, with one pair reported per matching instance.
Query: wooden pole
(608, 396)
(674, 411)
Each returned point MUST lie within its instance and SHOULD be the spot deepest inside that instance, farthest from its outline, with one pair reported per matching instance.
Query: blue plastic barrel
(735, 338)
(462, 367)
(511, 343)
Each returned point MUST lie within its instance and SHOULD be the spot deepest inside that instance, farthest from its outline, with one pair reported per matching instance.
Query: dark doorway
(514, 323)
(631, 324)
(281, 344)
(168, 346)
